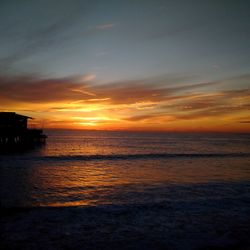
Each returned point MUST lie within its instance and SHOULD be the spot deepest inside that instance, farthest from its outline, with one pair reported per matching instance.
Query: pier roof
(12, 115)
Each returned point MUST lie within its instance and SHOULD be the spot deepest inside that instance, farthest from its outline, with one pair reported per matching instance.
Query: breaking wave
(139, 156)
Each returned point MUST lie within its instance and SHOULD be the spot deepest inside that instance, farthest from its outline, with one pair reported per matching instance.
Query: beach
(202, 224)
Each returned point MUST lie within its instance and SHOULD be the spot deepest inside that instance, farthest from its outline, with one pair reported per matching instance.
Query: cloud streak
(27, 89)
(31, 89)
(131, 103)
(105, 26)
(54, 30)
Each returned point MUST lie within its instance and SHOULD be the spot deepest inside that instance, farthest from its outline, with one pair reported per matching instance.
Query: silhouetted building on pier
(15, 134)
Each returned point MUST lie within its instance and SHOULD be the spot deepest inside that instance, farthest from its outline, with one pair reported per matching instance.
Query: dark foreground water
(110, 190)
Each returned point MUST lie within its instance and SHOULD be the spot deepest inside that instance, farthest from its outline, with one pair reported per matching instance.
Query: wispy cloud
(43, 37)
(105, 26)
(244, 121)
(31, 89)
(132, 103)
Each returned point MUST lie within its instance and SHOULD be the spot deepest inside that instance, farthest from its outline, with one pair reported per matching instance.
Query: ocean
(180, 190)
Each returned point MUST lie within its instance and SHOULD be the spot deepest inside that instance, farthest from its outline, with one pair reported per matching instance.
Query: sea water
(93, 168)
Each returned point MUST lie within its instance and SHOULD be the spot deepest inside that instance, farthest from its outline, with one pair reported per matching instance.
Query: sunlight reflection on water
(33, 180)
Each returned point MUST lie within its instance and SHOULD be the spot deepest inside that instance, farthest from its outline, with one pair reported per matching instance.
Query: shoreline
(204, 224)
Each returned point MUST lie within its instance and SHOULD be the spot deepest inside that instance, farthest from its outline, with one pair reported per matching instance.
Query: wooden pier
(15, 134)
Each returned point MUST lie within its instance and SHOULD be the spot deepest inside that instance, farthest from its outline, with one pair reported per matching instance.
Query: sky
(157, 65)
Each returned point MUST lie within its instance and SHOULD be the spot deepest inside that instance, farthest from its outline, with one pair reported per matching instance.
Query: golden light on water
(98, 183)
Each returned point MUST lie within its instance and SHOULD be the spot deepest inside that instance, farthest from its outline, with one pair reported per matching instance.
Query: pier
(15, 134)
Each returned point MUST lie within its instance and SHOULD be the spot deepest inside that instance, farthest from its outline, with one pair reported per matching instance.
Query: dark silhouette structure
(15, 134)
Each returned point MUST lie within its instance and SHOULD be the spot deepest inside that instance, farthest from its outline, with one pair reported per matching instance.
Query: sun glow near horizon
(130, 106)
(127, 65)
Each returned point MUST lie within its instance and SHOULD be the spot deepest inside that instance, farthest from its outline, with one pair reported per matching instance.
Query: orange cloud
(105, 26)
(78, 102)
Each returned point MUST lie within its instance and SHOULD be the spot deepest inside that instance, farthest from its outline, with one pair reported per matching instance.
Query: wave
(140, 156)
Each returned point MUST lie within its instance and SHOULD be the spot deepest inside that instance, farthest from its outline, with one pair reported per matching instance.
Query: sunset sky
(164, 65)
